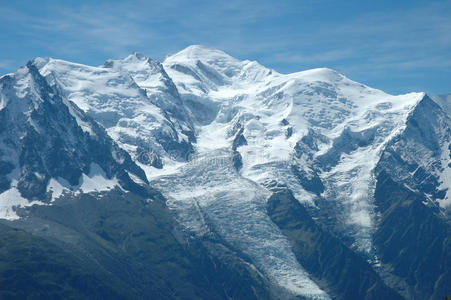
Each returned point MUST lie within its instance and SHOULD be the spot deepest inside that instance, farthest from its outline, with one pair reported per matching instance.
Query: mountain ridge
(214, 134)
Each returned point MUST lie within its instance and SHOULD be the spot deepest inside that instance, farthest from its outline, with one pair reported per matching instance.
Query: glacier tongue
(208, 193)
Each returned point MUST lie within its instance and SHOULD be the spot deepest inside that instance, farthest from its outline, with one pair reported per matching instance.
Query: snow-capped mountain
(48, 146)
(134, 100)
(233, 147)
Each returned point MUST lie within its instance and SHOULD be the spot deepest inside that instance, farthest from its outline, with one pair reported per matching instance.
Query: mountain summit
(314, 185)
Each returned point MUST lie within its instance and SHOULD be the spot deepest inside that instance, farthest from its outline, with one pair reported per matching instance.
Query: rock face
(413, 232)
(413, 242)
(273, 186)
(47, 142)
(337, 269)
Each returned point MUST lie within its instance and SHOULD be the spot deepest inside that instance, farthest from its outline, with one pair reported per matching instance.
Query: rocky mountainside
(304, 185)
(48, 145)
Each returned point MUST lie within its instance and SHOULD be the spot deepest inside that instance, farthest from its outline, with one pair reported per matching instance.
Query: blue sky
(397, 46)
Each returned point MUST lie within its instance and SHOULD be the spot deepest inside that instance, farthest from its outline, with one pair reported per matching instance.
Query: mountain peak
(137, 55)
(210, 68)
(135, 58)
(319, 74)
(39, 62)
(196, 53)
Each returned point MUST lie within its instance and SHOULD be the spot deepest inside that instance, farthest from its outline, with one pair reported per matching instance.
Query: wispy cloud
(286, 35)
(398, 38)
(116, 27)
(7, 64)
(321, 57)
